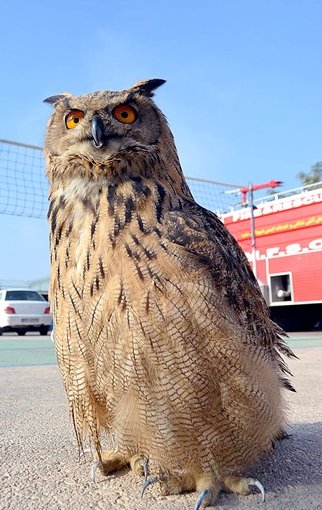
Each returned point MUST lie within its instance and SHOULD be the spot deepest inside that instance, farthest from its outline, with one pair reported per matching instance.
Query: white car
(23, 310)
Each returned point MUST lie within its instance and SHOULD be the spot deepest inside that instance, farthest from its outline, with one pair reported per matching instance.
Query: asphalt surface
(40, 469)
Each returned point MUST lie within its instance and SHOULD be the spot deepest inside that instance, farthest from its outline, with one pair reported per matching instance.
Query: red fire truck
(286, 245)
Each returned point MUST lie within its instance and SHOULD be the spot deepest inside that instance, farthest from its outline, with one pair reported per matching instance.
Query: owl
(163, 339)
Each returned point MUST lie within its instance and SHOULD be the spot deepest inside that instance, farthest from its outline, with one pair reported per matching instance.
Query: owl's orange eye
(125, 114)
(74, 118)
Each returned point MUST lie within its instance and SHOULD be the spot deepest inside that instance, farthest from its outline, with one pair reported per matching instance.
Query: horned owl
(162, 336)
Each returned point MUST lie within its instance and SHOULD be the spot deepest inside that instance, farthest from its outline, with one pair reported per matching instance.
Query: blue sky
(243, 93)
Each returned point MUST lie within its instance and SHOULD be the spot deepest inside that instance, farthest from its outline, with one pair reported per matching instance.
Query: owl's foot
(243, 486)
(114, 461)
(207, 488)
(208, 491)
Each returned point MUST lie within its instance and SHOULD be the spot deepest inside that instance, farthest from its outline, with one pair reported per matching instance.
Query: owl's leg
(242, 485)
(110, 461)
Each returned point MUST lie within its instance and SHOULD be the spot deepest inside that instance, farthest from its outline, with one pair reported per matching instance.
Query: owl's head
(107, 126)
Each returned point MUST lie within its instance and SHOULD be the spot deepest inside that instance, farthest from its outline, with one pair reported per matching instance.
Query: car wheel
(43, 330)
(22, 332)
(1, 331)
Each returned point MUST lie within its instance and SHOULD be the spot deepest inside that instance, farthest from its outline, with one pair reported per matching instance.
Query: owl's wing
(202, 234)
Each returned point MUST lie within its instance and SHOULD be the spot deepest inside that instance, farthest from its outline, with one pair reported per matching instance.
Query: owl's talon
(82, 453)
(93, 470)
(145, 469)
(205, 496)
(148, 482)
(256, 483)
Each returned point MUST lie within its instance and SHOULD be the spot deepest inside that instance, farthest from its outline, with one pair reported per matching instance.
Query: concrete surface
(39, 466)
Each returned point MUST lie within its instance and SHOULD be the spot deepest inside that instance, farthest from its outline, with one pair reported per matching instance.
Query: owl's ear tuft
(146, 87)
(54, 100)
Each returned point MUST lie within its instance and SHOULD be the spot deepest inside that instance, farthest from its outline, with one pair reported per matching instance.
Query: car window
(23, 295)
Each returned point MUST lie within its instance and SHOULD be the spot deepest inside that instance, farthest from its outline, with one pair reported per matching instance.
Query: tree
(313, 176)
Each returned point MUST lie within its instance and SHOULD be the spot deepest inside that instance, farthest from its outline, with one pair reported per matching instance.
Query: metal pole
(252, 223)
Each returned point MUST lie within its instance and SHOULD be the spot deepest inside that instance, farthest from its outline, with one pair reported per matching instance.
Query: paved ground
(39, 466)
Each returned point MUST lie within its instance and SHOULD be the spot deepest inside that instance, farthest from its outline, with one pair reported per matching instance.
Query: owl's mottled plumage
(162, 336)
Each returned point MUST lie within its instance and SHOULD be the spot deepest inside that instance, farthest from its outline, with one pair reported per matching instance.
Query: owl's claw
(148, 482)
(145, 469)
(206, 494)
(82, 453)
(256, 483)
(93, 470)
(94, 465)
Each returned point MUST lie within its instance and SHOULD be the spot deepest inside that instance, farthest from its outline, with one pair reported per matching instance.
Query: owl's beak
(97, 130)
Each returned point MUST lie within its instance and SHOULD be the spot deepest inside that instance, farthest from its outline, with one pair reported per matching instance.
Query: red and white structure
(285, 250)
